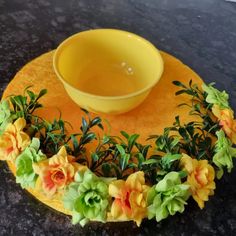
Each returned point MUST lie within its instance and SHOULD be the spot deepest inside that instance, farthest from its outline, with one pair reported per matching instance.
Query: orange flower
(200, 178)
(13, 141)
(226, 118)
(130, 198)
(56, 172)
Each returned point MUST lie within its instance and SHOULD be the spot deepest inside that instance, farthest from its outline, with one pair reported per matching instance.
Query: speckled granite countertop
(201, 33)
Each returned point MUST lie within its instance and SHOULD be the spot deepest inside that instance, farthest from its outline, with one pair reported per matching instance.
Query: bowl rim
(129, 95)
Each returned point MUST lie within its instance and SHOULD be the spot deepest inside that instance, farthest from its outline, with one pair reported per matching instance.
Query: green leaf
(132, 165)
(31, 95)
(174, 142)
(150, 161)
(106, 169)
(95, 157)
(187, 91)
(131, 141)
(105, 139)
(179, 84)
(180, 92)
(84, 127)
(177, 121)
(124, 134)
(145, 150)
(124, 161)
(120, 149)
(87, 138)
(190, 129)
(117, 170)
(184, 134)
(96, 121)
(85, 111)
(197, 107)
(183, 174)
(100, 126)
(160, 143)
(190, 83)
(75, 144)
(140, 158)
(42, 93)
(169, 159)
(124, 158)
(19, 101)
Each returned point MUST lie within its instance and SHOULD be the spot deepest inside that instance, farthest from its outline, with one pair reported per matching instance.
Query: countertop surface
(201, 33)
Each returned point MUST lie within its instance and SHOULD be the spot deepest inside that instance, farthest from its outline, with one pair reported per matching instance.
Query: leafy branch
(115, 156)
(112, 156)
(196, 136)
(24, 106)
(78, 149)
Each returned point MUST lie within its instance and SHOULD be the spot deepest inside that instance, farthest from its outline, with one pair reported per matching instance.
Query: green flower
(5, 115)
(25, 174)
(167, 197)
(87, 198)
(224, 153)
(214, 96)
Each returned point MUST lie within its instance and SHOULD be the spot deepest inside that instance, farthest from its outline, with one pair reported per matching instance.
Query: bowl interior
(108, 62)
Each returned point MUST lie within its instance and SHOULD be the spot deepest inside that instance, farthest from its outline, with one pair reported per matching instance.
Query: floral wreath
(121, 179)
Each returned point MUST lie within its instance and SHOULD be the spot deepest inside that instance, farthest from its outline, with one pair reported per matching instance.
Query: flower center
(92, 198)
(58, 177)
(126, 201)
(201, 176)
(9, 150)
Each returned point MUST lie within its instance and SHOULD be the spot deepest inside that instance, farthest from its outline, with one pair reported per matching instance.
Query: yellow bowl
(107, 70)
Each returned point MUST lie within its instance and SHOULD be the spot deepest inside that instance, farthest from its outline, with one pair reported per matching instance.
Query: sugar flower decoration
(227, 121)
(224, 153)
(5, 115)
(13, 140)
(214, 96)
(222, 110)
(130, 198)
(87, 198)
(167, 197)
(200, 178)
(25, 174)
(56, 172)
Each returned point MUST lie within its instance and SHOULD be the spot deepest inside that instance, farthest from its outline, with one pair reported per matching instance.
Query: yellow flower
(227, 121)
(200, 178)
(130, 198)
(13, 141)
(56, 172)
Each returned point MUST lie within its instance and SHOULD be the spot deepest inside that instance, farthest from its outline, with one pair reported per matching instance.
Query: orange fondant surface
(155, 113)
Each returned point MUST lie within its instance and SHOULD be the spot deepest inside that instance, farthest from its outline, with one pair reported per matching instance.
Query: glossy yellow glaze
(106, 70)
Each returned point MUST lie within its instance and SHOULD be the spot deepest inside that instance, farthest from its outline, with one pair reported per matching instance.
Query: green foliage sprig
(113, 156)
(24, 106)
(158, 176)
